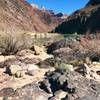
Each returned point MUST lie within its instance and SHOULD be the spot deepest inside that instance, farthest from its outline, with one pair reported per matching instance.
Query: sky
(64, 6)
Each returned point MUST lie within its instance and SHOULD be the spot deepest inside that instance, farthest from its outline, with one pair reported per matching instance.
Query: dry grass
(11, 43)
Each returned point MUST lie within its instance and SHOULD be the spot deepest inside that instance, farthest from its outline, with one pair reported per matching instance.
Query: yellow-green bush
(64, 67)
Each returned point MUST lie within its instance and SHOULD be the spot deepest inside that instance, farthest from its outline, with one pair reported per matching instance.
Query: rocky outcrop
(93, 2)
(71, 49)
(85, 20)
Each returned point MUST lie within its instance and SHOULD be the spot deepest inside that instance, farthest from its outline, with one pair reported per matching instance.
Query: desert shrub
(62, 67)
(11, 43)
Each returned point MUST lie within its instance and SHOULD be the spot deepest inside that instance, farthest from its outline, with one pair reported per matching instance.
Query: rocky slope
(18, 15)
(82, 21)
(93, 2)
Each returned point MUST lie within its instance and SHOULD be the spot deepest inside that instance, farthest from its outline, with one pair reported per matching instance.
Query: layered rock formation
(19, 15)
(82, 21)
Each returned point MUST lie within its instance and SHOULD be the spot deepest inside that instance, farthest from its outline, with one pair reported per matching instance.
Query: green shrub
(11, 43)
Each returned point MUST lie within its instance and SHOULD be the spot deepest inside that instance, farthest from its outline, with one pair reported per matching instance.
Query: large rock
(31, 92)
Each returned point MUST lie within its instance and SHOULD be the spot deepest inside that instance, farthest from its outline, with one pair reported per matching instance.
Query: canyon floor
(62, 68)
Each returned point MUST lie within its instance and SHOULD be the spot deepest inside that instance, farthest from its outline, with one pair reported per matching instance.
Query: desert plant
(62, 67)
(11, 43)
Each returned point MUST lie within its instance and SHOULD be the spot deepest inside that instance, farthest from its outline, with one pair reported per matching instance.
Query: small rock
(45, 85)
(88, 61)
(32, 67)
(61, 80)
(32, 72)
(13, 69)
(25, 52)
(37, 50)
(53, 98)
(59, 95)
(10, 57)
(2, 59)
(18, 74)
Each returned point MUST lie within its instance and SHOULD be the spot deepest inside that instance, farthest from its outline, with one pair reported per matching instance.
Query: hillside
(19, 15)
(85, 20)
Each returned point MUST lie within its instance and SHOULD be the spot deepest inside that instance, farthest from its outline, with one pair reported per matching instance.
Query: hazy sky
(65, 6)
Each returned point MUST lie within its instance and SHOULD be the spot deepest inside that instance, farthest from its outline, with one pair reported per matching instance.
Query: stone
(32, 67)
(29, 54)
(45, 85)
(25, 52)
(2, 58)
(59, 95)
(61, 80)
(19, 74)
(31, 92)
(37, 50)
(13, 69)
(10, 57)
(32, 72)
(92, 71)
(7, 92)
(53, 98)
(88, 61)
